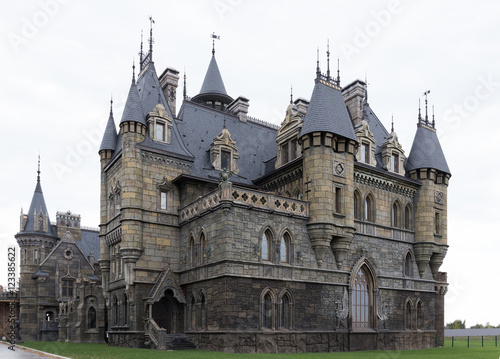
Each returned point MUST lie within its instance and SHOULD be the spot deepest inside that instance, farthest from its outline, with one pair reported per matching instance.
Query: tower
(36, 238)
(328, 144)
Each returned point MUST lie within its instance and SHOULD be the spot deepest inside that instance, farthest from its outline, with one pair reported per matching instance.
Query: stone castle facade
(320, 234)
(223, 232)
(60, 293)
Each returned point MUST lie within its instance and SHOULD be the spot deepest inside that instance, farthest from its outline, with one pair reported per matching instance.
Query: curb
(34, 351)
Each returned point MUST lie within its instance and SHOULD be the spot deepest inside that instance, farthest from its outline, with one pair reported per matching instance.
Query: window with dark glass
(265, 246)
(395, 215)
(338, 200)
(203, 249)
(407, 217)
(92, 318)
(67, 287)
(285, 312)
(369, 209)
(395, 163)
(365, 152)
(193, 251)
(284, 153)
(285, 248)
(408, 315)
(408, 265)
(437, 223)
(125, 309)
(225, 160)
(420, 315)
(115, 311)
(267, 312)
(357, 205)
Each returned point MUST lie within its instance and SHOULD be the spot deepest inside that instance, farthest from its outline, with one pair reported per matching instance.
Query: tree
(477, 326)
(457, 324)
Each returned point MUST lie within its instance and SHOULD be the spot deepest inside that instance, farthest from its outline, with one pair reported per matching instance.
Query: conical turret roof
(426, 151)
(213, 87)
(109, 139)
(327, 112)
(38, 206)
(133, 109)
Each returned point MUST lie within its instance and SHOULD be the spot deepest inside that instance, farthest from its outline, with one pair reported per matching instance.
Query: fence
(473, 335)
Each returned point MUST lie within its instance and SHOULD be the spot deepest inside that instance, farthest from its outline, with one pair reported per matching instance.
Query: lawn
(102, 351)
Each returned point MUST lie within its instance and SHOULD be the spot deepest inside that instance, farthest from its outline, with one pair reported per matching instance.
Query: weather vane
(213, 36)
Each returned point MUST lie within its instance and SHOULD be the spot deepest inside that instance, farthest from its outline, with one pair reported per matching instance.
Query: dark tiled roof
(213, 80)
(133, 110)
(199, 125)
(426, 151)
(89, 243)
(148, 86)
(109, 139)
(38, 205)
(327, 112)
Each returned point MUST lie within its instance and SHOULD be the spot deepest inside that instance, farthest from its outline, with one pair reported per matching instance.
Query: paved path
(28, 353)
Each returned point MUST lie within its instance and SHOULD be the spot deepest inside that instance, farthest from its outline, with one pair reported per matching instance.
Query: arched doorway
(166, 312)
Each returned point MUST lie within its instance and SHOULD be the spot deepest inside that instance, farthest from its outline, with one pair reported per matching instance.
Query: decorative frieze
(383, 184)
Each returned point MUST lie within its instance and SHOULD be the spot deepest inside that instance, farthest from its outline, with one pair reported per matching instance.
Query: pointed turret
(427, 164)
(133, 109)
(213, 89)
(37, 219)
(328, 143)
(109, 139)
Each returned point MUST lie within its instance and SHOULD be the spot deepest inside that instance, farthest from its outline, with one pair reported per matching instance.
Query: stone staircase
(178, 342)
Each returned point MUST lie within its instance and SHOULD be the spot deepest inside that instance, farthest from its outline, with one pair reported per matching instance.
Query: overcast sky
(62, 60)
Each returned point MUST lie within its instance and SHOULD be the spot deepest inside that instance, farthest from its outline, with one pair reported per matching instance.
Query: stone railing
(247, 197)
(373, 229)
(151, 330)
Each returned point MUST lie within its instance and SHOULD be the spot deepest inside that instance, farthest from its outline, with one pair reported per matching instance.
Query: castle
(225, 232)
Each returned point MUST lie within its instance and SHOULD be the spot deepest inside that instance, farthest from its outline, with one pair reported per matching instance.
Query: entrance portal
(166, 312)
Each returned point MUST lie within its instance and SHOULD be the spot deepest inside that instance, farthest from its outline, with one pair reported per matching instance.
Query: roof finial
(419, 114)
(426, 117)
(318, 71)
(433, 122)
(111, 106)
(185, 90)
(159, 97)
(213, 42)
(224, 122)
(338, 71)
(151, 38)
(133, 71)
(366, 83)
(328, 59)
(291, 94)
(392, 123)
(38, 172)
(141, 53)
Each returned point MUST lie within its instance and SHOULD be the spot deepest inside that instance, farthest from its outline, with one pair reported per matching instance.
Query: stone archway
(166, 312)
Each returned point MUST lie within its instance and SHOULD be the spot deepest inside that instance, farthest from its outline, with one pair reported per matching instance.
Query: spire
(338, 71)
(392, 123)
(38, 172)
(151, 22)
(318, 70)
(426, 117)
(433, 122)
(109, 138)
(213, 42)
(141, 53)
(419, 113)
(133, 109)
(184, 90)
(328, 59)
(133, 71)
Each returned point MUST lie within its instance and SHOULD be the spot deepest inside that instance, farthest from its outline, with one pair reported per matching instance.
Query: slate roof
(90, 243)
(327, 112)
(199, 125)
(148, 86)
(213, 80)
(426, 151)
(133, 110)
(38, 204)
(109, 139)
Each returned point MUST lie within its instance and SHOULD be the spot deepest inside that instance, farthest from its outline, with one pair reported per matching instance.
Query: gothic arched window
(265, 249)
(92, 318)
(362, 300)
(285, 248)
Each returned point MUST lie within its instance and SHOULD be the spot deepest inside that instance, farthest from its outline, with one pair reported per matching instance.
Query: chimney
(302, 105)
(240, 108)
(169, 80)
(355, 95)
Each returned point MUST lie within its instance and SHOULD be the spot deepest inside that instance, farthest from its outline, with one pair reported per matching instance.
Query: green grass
(102, 351)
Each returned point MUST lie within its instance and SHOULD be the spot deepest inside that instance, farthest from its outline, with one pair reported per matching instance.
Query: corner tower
(328, 145)
(36, 238)
(427, 164)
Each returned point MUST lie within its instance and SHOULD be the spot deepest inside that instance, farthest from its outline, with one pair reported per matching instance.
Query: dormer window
(224, 153)
(365, 152)
(286, 138)
(225, 160)
(159, 131)
(67, 286)
(395, 163)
